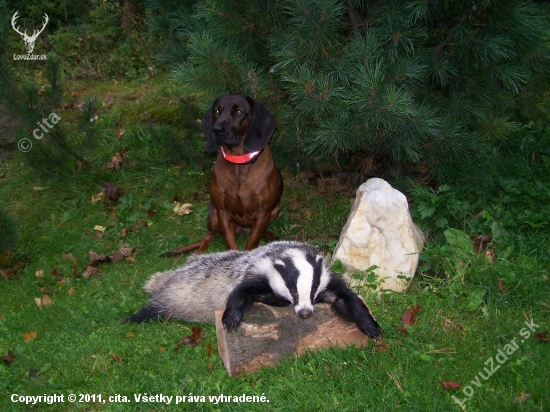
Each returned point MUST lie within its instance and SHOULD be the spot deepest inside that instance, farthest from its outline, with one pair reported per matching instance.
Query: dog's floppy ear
(261, 129)
(206, 126)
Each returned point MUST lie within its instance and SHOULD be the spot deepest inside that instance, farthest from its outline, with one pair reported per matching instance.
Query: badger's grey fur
(279, 274)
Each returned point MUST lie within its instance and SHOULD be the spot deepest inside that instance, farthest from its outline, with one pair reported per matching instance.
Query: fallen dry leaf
(542, 336)
(122, 253)
(451, 385)
(192, 340)
(99, 228)
(39, 273)
(134, 227)
(71, 291)
(112, 192)
(481, 243)
(30, 336)
(522, 397)
(8, 273)
(91, 272)
(183, 209)
(130, 229)
(381, 347)
(97, 197)
(117, 162)
(20, 264)
(9, 358)
(43, 302)
(46, 301)
(97, 259)
(447, 324)
(57, 274)
(208, 350)
(408, 316)
(116, 358)
(501, 287)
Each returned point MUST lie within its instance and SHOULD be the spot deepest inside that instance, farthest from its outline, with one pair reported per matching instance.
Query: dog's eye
(239, 112)
(217, 111)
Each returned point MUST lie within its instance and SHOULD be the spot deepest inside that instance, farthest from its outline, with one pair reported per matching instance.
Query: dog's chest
(238, 189)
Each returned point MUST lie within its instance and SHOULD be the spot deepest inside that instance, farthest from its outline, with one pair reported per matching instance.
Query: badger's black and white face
(298, 277)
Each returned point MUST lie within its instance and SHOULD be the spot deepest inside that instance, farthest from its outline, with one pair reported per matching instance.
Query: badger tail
(146, 314)
(153, 286)
(156, 282)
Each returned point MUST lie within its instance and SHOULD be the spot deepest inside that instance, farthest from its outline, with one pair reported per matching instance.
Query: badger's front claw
(368, 325)
(241, 298)
(231, 319)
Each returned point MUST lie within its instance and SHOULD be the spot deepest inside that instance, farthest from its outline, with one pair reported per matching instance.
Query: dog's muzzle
(225, 136)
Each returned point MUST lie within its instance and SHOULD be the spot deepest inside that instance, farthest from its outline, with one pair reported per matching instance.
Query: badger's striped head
(299, 276)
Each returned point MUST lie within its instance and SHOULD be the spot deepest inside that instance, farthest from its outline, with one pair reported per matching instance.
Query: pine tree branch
(10, 84)
(61, 143)
(355, 19)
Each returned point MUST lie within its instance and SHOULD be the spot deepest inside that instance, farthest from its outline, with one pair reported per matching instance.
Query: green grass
(81, 347)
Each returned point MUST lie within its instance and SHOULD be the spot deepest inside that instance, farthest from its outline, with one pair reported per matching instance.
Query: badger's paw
(369, 326)
(232, 319)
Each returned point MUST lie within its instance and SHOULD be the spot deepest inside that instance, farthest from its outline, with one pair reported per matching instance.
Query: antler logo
(29, 40)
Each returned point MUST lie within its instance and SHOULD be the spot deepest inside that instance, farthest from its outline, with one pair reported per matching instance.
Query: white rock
(380, 232)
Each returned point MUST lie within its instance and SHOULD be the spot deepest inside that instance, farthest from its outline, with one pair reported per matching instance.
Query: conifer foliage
(440, 83)
(49, 146)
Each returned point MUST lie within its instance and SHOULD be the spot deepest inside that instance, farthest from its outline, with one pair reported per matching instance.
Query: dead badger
(279, 274)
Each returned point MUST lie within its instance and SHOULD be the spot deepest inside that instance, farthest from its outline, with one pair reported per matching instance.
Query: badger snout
(304, 312)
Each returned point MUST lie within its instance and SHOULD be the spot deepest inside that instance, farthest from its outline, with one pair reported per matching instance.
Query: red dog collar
(240, 159)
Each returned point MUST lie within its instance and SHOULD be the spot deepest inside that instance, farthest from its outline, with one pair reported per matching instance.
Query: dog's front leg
(258, 229)
(227, 228)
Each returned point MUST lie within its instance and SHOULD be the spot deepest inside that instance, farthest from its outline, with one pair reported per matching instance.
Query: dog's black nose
(218, 129)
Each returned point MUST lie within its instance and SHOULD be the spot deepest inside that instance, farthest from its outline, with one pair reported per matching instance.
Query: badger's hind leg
(350, 307)
(145, 314)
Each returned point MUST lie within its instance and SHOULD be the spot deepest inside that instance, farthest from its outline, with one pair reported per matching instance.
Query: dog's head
(234, 119)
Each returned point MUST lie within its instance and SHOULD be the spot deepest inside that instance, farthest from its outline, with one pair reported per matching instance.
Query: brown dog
(246, 186)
